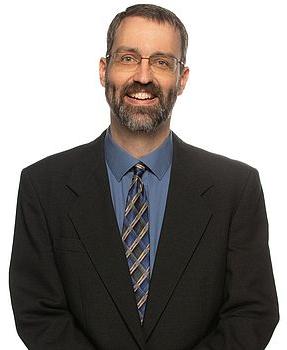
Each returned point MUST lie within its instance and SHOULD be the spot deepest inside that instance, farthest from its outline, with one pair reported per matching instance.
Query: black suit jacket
(212, 285)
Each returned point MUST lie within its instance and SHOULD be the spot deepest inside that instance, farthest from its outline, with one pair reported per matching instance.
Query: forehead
(147, 36)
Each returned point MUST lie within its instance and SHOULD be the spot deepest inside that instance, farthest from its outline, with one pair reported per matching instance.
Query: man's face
(143, 99)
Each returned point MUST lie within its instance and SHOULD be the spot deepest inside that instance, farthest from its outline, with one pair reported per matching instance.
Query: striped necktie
(135, 237)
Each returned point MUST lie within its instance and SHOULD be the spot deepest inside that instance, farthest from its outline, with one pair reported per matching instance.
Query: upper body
(211, 285)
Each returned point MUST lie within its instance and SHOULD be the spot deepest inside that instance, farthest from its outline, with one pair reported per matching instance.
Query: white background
(234, 103)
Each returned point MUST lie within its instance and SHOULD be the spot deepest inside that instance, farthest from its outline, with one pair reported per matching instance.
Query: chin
(145, 128)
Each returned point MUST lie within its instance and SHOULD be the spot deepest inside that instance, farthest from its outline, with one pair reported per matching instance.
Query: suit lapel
(94, 219)
(185, 220)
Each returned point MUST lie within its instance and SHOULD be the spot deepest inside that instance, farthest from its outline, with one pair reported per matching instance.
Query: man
(138, 240)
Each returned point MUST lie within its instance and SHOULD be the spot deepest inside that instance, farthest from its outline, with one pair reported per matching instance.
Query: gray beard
(143, 119)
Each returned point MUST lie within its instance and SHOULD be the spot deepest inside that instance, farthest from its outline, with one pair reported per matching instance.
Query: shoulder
(51, 173)
(222, 180)
(214, 162)
(61, 162)
(226, 173)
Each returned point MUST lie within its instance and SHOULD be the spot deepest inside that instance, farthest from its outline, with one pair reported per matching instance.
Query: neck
(136, 143)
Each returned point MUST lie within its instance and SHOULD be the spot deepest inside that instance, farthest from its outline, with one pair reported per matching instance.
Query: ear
(183, 80)
(102, 70)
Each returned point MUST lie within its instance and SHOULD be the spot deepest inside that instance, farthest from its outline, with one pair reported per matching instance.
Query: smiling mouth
(141, 96)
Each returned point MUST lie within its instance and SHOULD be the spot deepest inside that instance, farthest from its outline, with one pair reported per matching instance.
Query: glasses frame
(178, 61)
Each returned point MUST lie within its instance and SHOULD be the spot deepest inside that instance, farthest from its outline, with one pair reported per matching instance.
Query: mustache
(138, 87)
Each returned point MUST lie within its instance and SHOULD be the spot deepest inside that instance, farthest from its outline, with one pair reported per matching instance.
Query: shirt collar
(120, 161)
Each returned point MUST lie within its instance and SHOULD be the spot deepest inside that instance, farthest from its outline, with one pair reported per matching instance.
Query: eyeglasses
(158, 63)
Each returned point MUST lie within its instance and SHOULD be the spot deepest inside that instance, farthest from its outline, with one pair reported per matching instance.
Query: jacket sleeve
(42, 316)
(249, 313)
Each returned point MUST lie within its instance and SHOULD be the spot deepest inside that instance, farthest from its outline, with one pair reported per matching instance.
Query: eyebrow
(127, 48)
(136, 50)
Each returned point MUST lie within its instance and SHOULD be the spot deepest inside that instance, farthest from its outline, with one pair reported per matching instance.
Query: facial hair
(144, 119)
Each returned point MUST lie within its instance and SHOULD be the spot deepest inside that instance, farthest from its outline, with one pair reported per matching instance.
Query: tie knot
(139, 169)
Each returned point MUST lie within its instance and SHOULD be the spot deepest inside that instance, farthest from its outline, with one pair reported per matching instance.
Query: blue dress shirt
(156, 182)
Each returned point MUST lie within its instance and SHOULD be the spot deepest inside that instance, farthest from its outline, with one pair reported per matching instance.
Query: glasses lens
(126, 58)
(163, 63)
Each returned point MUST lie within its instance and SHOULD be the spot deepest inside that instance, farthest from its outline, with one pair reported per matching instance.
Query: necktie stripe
(132, 203)
(140, 166)
(135, 179)
(136, 219)
(132, 227)
(141, 280)
(142, 301)
(137, 241)
(140, 258)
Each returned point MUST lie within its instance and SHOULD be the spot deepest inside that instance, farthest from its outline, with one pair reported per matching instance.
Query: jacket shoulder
(60, 163)
(216, 162)
(219, 169)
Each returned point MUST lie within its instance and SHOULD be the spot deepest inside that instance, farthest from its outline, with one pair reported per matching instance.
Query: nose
(143, 73)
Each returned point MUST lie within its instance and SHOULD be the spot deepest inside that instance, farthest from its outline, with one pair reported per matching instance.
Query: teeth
(142, 95)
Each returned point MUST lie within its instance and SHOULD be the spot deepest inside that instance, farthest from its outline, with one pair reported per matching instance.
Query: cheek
(170, 88)
(118, 79)
(170, 83)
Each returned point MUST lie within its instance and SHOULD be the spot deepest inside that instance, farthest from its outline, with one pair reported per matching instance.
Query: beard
(144, 119)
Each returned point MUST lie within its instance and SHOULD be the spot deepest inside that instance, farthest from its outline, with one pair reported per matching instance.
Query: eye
(161, 62)
(127, 59)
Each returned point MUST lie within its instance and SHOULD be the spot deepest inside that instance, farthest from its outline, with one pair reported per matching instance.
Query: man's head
(144, 72)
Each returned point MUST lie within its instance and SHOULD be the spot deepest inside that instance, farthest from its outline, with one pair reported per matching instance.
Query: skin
(143, 134)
